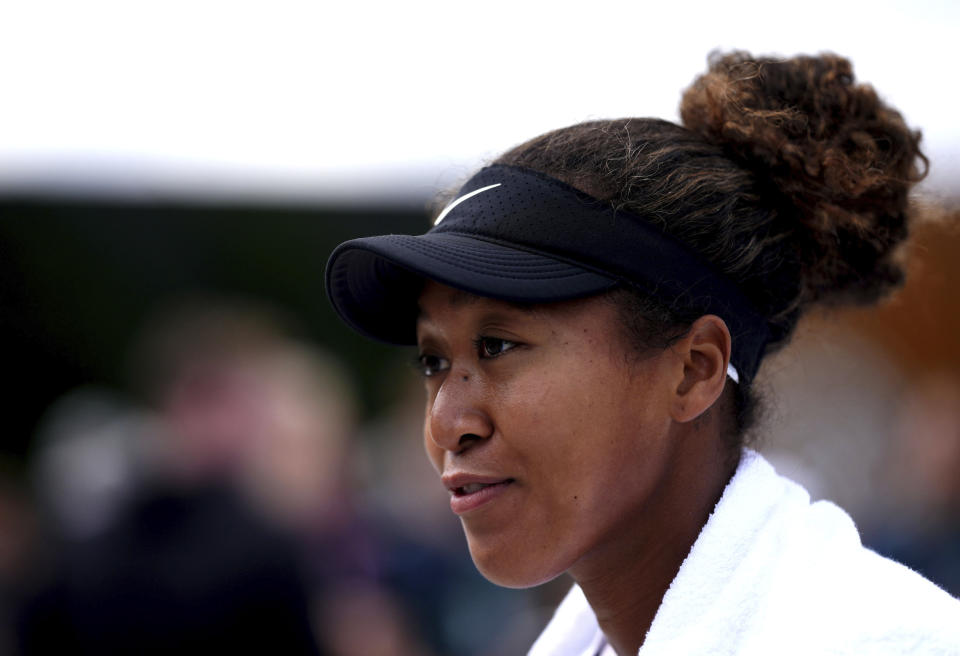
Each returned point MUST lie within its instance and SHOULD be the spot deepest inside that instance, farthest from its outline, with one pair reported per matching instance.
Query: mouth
(473, 488)
(469, 492)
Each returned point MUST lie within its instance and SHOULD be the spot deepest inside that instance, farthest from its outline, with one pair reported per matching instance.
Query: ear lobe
(705, 352)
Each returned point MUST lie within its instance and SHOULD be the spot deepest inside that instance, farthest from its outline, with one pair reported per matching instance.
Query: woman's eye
(431, 365)
(491, 347)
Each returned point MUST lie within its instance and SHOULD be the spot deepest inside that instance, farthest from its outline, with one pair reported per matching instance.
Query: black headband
(517, 235)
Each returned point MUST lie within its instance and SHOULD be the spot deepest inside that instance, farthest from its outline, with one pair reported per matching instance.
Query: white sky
(306, 100)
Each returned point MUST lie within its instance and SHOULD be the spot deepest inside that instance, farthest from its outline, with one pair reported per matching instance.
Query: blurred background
(196, 452)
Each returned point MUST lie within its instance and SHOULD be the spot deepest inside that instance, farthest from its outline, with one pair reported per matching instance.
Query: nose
(456, 416)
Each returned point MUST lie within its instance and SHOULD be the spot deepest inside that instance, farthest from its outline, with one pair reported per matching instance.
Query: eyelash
(428, 370)
(481, 341)
(430, 365)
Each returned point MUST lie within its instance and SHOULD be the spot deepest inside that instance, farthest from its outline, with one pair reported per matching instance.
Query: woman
(591, 311)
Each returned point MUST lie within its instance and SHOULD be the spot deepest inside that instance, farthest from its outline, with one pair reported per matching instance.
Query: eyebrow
(460, 298)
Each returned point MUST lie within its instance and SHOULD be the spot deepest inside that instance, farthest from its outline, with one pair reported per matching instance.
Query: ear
(704, 352)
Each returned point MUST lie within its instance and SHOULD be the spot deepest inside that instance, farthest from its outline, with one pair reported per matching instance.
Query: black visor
(520, 236)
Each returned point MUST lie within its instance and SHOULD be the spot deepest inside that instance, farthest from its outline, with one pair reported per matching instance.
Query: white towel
(772, 573)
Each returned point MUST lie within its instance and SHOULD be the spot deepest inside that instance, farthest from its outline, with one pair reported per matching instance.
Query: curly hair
(788, 177)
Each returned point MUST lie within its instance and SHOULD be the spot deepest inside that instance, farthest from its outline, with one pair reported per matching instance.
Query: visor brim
(374, 282)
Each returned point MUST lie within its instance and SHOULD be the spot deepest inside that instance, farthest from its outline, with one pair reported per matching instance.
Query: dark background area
(79, 277)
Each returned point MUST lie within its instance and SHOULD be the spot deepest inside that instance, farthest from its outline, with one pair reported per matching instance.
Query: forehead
(453, 297)
(436, 296)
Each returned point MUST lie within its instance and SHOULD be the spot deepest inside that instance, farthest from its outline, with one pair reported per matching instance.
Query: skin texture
(614, 458)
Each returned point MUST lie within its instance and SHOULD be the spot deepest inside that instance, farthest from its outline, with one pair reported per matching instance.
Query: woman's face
(550, 433)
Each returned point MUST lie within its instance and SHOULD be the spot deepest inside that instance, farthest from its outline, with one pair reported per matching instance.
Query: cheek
(594, 449)
(566, 408)
(434, 453)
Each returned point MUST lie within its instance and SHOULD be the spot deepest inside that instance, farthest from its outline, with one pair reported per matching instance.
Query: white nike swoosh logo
(449, 207)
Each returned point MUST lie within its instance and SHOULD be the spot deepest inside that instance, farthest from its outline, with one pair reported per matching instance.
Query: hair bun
(841, 162)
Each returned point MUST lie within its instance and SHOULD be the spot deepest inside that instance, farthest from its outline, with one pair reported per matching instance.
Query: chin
(510, 569)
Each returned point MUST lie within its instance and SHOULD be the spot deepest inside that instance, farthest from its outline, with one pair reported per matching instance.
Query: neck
(625, 580)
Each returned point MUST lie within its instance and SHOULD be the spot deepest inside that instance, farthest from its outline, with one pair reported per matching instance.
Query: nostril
(468, 439)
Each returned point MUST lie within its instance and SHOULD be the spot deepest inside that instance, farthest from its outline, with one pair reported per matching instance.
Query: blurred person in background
(161, 550)
(590, 313)
(18, 542)
(919, 523)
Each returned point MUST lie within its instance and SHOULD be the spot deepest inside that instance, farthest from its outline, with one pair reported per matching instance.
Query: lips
(469, 491)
